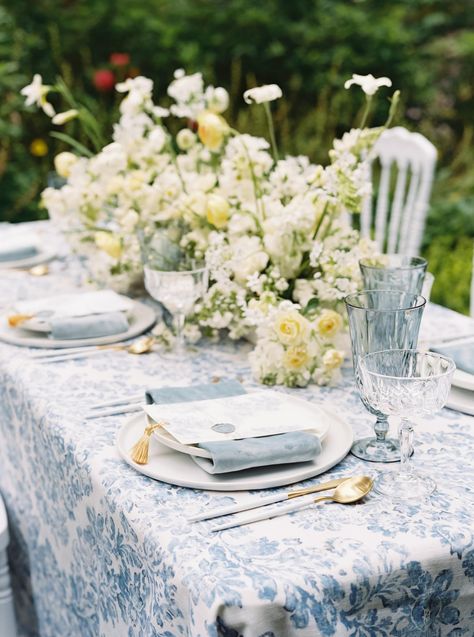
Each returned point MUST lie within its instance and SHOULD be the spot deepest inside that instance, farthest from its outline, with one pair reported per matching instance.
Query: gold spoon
(36, 270)
(140, 346)
(350, 491)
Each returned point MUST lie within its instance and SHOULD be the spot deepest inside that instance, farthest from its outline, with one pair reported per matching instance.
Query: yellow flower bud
(291, 328)
(109, 243)
(63, 163)
(329, 323)
(296, 357)
(39, 148)
(217, 211)
(212, 129)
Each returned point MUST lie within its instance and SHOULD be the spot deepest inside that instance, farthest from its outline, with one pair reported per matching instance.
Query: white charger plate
(461, 400)
(43, 256)
(173, 467)
(141, 318)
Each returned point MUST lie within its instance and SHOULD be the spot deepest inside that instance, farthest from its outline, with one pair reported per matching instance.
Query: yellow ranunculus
(296, 357)
(212, 129)
(333, 359)
(217, 211)
(291, 328)
(109, 243)
(329, 323)
(63, 163)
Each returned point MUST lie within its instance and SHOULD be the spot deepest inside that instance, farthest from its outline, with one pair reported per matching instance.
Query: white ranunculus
(261, 94)
(185, 139)
(248, 258)
(63, 163)
(217, 99)
(369, 84)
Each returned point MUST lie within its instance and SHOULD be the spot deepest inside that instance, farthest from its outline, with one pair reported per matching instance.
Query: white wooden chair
(7, 615)
(400, 219)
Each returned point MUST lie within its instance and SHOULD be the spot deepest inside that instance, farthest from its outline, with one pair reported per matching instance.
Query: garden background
(308, 47)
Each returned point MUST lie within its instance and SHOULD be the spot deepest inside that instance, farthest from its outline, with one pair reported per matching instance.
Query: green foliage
(308, 47)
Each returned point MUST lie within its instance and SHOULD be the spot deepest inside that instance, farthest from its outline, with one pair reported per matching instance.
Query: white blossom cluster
(270, 229)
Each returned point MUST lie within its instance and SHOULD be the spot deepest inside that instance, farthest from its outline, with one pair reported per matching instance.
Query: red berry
(104, 80)
(119, 59)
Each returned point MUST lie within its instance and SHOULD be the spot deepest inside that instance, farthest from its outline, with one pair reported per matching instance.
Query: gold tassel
(139, 452)
(15, 320)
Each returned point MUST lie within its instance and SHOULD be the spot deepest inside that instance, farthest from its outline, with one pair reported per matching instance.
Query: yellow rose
(291, 328)
(109, 243)
(212, 129)
(329, 323)
(217, 211)
(333, 359)
(63, 162)
(296, 357)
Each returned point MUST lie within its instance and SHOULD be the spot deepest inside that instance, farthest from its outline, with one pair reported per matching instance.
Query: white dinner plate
(173, 467)
(461, 400)
(141, 317)
(463, 380)
(43, 256)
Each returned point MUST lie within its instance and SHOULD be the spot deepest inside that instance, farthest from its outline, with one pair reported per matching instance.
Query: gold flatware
(349, 491)
(140, 346)
(37, 270)
(270, 499)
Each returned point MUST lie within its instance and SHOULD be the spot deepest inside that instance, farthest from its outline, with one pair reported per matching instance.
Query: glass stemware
(178, 291)
(380, 320)
(405, 383)
(394, 272)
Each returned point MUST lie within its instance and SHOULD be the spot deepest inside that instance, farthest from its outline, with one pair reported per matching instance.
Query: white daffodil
(369, 84)
(66, 116)
(36, 93)
(261, 94)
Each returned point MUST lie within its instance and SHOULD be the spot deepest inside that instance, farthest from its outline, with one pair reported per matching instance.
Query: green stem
(368, 104)
(271, 128)
(259, 209)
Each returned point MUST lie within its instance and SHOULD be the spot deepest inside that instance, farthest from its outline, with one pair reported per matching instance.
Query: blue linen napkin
(91, 326)
(17, 252)
(236, 455)
(462, 355)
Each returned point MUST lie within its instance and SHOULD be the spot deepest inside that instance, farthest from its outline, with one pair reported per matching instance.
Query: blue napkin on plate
(91, 326)
(462, 355)
(236, 455)
(17, 251)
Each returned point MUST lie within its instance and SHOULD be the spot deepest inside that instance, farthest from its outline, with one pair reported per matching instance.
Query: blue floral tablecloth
(100, 550)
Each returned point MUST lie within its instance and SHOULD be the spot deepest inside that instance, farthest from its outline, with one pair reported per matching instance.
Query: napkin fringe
(139, 451)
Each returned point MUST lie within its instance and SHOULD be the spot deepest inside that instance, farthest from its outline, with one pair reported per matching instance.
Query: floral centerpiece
(272, 230)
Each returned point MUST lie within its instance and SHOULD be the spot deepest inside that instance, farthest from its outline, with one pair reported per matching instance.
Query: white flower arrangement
(280, 257)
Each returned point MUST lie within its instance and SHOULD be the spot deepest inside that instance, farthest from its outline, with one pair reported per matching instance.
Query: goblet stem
(179, 320)
(405, 433)
(381, 428)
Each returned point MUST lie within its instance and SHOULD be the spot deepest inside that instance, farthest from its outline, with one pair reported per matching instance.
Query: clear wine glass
(379, 320)
(178, 291)
(176, 282)
(405, 383)
(394, 272)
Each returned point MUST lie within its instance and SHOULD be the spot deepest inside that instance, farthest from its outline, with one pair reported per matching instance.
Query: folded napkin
(236, 455)
(92, 326)
(462, 355)
(16, 247)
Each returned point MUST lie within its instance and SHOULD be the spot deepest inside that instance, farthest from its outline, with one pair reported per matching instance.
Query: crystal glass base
(376, 451)
(402, 486)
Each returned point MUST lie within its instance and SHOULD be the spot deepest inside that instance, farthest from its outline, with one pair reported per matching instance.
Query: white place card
(246, 416)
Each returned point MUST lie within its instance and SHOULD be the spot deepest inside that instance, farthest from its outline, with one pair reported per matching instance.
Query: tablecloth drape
(100, 550)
